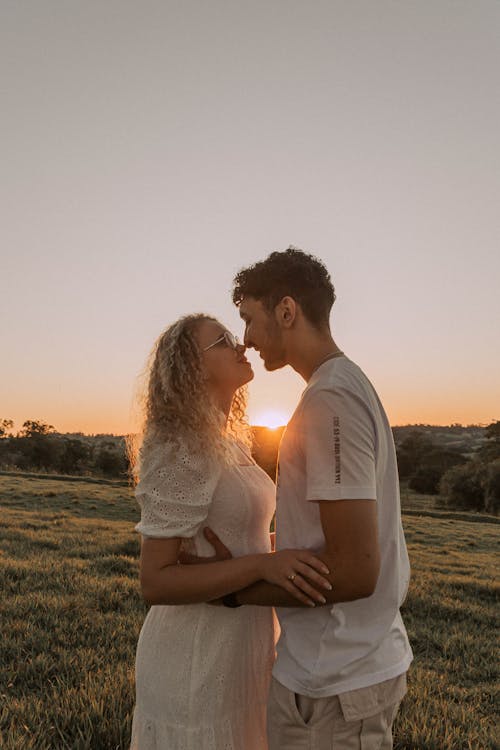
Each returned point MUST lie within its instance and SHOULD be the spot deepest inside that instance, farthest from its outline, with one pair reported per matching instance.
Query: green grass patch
(71, 616)
(80, 497)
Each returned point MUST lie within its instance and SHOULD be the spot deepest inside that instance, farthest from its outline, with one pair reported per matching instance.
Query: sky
(151, 149)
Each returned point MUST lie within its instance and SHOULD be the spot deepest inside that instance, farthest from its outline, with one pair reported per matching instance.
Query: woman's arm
(165, 581)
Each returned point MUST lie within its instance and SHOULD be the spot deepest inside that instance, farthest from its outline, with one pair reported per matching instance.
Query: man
(340, 671)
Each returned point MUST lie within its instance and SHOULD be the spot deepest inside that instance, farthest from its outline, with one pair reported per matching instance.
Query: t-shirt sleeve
(175, 492)
(339, 440)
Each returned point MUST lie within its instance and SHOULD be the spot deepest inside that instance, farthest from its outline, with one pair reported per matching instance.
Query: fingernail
(328, 586)
(322, 599)
(312, 604)
(326, 571)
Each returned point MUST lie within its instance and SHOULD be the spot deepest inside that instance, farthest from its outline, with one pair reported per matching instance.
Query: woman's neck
(223, 401)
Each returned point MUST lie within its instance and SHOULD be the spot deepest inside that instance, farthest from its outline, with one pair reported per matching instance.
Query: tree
(5, 424)
(426, 480)
(411, 452)
(111, 463)
(74, 457)
(432, 467)
(39, 447)
(492, 487)
(491, 449)
(463, 486)
(40, 451)
(492, 431)
(34, 427)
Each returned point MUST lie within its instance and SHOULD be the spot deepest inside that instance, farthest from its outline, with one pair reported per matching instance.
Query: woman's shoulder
(157, 451)
(174, 456)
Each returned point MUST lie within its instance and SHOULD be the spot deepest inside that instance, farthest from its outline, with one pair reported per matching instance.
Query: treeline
(38, 447)
(461, 464)
(469, 480)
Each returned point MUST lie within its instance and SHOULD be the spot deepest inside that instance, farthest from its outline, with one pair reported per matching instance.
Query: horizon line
(480, 425)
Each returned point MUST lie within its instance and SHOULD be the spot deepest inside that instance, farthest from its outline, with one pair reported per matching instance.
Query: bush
(463, 486)
(75, 456)
(426, 481)
(492, 487)
(111, 463)
(411, 452)
(40, 451)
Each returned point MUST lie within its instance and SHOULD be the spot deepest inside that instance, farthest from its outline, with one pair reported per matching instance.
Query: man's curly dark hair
(290, 273)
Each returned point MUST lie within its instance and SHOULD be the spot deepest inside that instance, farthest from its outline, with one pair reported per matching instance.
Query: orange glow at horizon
(118, 418)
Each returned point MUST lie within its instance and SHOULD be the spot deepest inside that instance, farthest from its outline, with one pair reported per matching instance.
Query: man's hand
(221, 551)
(298, 572)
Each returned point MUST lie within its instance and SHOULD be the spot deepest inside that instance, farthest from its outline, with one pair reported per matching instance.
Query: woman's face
(227, 369)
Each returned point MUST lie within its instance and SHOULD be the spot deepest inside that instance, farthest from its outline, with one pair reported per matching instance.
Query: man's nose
(240, 348)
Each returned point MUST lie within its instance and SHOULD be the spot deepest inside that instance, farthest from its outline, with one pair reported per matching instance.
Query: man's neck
(310, 353)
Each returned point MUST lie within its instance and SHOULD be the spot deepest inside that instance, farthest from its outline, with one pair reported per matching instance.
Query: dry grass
(71, 614)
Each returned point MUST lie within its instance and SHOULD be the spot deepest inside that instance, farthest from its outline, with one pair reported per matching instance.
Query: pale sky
(151, 149)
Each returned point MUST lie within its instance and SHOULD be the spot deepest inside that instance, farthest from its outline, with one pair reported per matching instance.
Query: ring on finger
(292, 577)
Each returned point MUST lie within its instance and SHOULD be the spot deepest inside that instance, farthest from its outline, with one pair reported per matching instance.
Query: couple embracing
(209, 675)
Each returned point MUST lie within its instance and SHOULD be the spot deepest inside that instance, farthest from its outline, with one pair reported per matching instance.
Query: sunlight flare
(271, 418)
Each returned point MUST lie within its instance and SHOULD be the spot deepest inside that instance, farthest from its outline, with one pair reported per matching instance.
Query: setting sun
(271, 418)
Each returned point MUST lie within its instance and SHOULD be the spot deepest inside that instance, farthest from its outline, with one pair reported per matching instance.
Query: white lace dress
(202, 671)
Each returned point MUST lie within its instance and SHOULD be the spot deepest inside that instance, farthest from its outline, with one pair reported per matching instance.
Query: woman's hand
(295, 570)
(292, 569)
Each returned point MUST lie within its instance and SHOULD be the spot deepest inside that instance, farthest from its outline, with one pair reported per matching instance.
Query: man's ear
(286, 312)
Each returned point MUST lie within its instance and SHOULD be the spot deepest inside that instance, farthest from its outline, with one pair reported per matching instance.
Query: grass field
(71, 615)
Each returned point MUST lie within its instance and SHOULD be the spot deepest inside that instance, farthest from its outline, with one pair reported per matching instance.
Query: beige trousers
(357, 720)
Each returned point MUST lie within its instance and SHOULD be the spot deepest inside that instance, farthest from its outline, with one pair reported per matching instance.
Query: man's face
(263, 333)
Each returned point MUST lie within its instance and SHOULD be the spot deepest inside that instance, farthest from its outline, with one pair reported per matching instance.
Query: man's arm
(351, 554)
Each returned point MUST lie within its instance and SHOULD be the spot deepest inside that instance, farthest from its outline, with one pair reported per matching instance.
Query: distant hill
(456, 437)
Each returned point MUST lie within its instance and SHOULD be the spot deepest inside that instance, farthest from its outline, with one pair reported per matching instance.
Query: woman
(202, 670)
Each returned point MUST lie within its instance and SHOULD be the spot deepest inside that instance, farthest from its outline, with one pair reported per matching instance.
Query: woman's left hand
(299, 572)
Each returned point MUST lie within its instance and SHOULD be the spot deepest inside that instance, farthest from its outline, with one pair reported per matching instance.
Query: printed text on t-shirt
(336, 448)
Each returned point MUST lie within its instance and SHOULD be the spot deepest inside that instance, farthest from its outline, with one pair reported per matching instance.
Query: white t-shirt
(338, 445)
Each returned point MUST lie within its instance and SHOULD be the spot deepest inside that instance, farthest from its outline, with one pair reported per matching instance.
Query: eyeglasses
(227, 337)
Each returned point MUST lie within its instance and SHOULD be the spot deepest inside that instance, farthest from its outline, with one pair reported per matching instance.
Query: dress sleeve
(339, 440)
(175, 492)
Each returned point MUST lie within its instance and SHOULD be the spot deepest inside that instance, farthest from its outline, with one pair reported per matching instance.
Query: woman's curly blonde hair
(177, 405)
